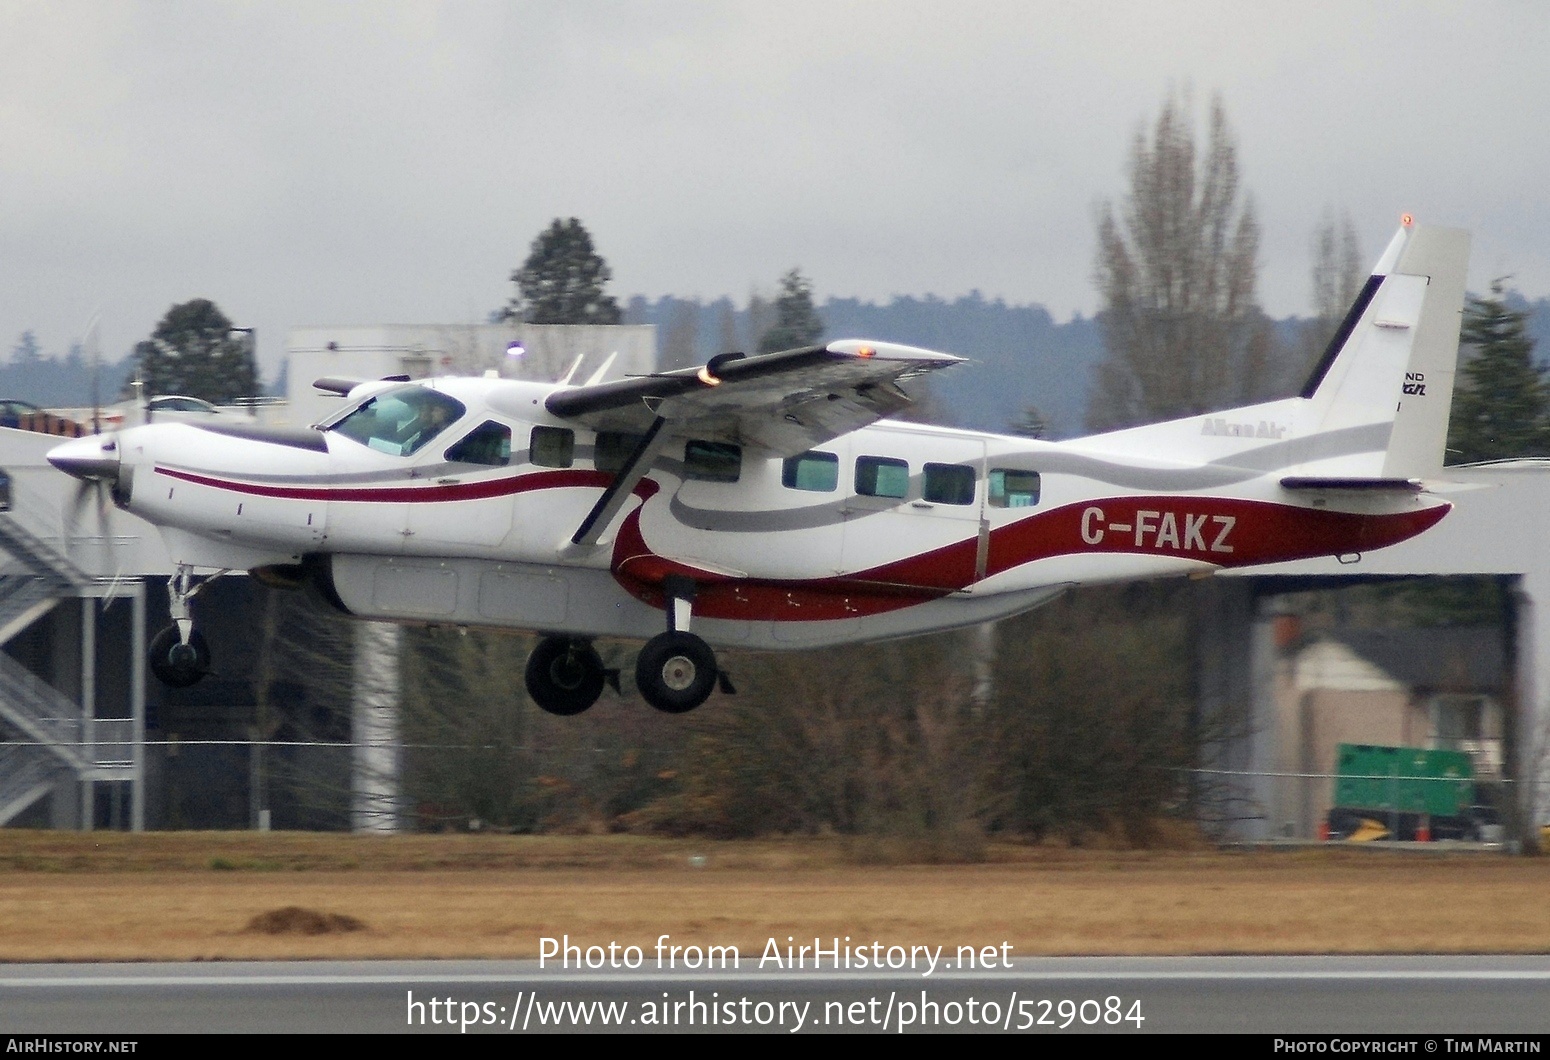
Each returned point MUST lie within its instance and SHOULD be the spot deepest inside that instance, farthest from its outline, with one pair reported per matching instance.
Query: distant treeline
(63, 383)
(1020, 357)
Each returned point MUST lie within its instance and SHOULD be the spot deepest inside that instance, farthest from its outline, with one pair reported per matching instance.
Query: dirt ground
(112, 896)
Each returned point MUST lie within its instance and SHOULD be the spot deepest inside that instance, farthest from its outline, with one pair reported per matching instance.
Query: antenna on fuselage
(92, 342)
(597, 376)
(565, 379)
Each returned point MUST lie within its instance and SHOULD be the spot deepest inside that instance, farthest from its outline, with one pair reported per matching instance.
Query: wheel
(564, 676)
(176, 664)
(675, 672)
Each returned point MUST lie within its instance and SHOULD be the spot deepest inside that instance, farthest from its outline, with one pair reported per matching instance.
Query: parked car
(178, 408)
(25, 416)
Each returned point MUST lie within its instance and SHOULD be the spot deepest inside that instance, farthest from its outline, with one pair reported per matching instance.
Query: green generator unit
(1411, 792)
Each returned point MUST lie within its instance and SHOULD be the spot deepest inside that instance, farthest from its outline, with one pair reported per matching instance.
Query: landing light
(515, 349)
(1406, 220)
(866, 351)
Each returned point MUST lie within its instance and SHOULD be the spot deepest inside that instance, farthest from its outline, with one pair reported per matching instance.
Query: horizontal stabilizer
(333, 384)
(1362, 485)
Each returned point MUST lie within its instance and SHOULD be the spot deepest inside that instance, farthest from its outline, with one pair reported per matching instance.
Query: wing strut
(618, 492)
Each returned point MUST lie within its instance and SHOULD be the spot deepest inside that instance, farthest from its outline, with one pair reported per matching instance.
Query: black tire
(175, 665)
(675, 672)
(564, 676)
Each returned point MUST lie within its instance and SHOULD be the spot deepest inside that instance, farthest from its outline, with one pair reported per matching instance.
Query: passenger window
(1013, 489)
(949, 484)
(819, 472)
(881, 476)
(712, 461)
(489, 443)
(614, 449)
(552, 446)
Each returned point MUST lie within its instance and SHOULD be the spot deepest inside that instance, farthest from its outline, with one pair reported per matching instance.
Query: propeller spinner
(91, 459)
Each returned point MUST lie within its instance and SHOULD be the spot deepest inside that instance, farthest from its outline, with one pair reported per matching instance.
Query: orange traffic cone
(1324, 831)
(1423, 832)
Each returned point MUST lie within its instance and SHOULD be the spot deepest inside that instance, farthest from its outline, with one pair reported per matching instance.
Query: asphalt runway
(1425, 996)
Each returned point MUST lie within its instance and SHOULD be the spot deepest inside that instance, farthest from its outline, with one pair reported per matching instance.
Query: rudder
(1426, 400)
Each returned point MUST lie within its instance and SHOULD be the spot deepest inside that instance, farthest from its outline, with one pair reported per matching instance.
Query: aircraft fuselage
(891, 529)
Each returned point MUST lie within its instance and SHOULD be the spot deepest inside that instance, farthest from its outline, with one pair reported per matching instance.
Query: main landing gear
(179, 656)
(566, 675)
(675, 671)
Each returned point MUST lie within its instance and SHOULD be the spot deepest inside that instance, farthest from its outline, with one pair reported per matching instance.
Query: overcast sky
(317, 162)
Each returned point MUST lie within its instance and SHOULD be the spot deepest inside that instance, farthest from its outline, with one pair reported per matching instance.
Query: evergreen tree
(1501, 407)
(562, 280)
(1031, 424)
(194, 352)
(26, 351)
(797, 323)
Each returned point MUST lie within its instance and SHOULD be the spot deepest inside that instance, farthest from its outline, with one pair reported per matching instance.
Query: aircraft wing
(784, 402)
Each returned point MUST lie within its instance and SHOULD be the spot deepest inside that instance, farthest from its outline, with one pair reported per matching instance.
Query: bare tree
(1088, 720)
(1177, 270)
(681, 339)
(726, 327)
(879, 746)
(761, 317)
(1337, 277)
(1337, 268)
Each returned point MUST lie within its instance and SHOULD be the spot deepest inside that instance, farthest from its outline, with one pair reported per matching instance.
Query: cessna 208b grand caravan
(764, 502)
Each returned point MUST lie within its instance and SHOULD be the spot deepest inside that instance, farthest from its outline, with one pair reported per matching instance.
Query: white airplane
(767, 500)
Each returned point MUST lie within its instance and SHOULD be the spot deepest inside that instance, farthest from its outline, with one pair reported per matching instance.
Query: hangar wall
(1497, 527)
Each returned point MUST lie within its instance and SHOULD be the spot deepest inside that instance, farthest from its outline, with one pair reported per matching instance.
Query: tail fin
(1393, 360)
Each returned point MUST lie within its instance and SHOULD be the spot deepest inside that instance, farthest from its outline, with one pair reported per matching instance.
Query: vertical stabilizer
(1391, 364)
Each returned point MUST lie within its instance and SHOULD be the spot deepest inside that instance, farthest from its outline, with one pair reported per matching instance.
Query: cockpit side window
(400, 421)
(489, 443)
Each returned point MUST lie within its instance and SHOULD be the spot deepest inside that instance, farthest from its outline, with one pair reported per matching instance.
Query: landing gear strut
(179, 656)
(565, 676)
(676, 670)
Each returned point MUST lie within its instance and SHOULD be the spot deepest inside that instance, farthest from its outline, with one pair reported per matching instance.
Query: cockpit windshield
(400, 421)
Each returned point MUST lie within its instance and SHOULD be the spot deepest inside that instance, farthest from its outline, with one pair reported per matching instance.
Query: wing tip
(891, 351)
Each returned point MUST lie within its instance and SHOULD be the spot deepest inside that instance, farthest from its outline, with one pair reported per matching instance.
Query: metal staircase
(49, 740)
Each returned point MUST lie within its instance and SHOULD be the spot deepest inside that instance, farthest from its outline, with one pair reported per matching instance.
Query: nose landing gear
(176, 663)
(179, 656)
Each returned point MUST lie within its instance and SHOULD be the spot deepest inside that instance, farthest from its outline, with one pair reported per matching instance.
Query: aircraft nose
(94, 458)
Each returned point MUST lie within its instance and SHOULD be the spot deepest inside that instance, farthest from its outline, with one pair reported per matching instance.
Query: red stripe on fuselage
(1220, 531)
(1224, 532)
(482, 489)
